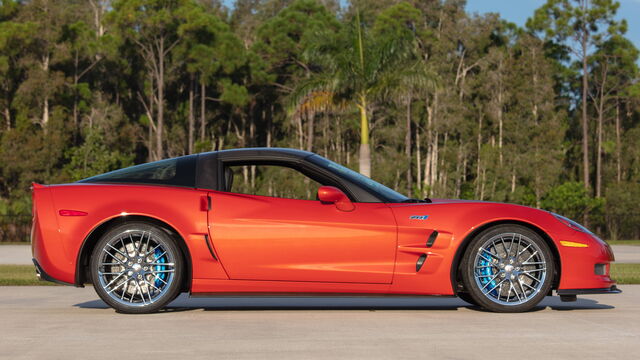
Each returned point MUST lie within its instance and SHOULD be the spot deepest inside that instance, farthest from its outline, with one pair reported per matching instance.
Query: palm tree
(356, 69)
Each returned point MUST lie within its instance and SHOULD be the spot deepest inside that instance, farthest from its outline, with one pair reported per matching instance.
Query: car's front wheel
(508, 268)
(137, 268)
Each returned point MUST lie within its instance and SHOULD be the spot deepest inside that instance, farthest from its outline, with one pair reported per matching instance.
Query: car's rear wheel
(508, 268)
(137, 268)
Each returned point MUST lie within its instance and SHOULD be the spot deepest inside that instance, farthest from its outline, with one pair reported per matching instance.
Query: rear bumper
(42, 275)
(608, 290)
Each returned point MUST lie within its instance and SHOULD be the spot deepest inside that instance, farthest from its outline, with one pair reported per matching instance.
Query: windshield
(364, 182)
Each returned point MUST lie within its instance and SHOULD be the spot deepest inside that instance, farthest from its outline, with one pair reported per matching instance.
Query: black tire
(467, 298)
(507, 266)
(136, 261)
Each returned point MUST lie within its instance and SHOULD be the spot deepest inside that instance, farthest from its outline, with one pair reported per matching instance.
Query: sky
(517, 11)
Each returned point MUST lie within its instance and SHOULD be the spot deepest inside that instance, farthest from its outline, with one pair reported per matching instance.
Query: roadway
(71, 323)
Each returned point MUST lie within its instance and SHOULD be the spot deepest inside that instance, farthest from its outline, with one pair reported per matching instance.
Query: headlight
(572, 224)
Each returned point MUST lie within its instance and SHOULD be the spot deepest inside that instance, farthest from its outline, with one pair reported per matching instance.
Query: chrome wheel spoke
(135, 268)
(510, 269)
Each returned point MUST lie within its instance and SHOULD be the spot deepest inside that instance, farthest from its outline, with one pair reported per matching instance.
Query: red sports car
(284, 221)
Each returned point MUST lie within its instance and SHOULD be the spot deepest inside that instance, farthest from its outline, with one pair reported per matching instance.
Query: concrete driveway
(72, 323)
(627, 253)
(15, 255)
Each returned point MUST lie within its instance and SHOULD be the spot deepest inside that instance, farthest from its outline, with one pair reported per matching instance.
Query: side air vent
(420, 262)
(432, 239)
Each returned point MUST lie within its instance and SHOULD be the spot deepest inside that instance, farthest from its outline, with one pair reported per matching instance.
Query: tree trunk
(599, 149)
(203, 110)
(310, 130)
(479, 158)
(7, 117)
(365, 150)
(585, 128)
(269, 125)
(500, 122)
(618, 144)
(191, 116)
(45, 112)
(431, 110)
(45, 102)
(160, 120)
(75, 100)
(418, 163)
(407, 146)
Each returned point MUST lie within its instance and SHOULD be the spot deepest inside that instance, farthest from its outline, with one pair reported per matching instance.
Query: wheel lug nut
(146, 268)
(502, 275)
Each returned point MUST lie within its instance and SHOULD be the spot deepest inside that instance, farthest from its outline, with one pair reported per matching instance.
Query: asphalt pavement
(21, 254)
(15, 255)
(627, 253)
(72, 323)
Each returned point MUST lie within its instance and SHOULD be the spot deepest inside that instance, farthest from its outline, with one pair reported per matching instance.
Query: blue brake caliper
(161, 275)
(487, 274)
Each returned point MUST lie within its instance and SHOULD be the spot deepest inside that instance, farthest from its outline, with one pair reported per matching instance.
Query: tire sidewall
(469, 269)
(160, 234)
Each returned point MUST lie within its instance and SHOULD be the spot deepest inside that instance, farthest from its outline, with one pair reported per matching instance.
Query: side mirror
(333, 195)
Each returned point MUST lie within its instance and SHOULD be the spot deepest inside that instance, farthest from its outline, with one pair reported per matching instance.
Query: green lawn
(20, 275)
(26, 274)
(626, 273)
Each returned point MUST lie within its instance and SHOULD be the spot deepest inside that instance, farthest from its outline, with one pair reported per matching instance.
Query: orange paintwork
(273, 245)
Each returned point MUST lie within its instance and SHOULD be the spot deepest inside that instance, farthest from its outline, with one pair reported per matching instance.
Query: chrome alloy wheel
(510, 269)
(135, 268)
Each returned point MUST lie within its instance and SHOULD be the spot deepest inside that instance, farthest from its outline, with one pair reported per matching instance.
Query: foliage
(432, 100)
(571, 200)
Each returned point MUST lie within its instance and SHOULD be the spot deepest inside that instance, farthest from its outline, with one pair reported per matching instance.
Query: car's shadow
(371, 303)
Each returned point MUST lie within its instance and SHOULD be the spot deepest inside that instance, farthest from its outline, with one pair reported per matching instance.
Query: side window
(177, 171)
(270, 180)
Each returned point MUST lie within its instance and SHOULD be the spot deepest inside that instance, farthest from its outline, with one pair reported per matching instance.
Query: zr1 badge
(418, 217)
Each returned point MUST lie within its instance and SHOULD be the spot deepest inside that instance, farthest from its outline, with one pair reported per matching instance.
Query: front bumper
(609, 290)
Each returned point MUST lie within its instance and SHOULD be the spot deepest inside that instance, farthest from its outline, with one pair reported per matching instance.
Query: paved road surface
(70, 323)
(627, 253)
(21, 254)
(15, 254)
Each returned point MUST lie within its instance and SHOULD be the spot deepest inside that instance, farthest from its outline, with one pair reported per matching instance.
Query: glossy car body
(241, 243)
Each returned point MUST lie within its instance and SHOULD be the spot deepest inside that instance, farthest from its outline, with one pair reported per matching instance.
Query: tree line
(418, 94)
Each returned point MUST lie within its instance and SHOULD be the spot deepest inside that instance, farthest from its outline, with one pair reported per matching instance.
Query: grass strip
(25, 275)
(626, 273)
(20, 275)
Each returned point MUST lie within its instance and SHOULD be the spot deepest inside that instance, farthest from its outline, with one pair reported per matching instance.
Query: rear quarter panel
(175, 206)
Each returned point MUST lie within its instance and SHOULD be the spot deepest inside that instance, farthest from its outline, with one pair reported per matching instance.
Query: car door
(261, 237)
